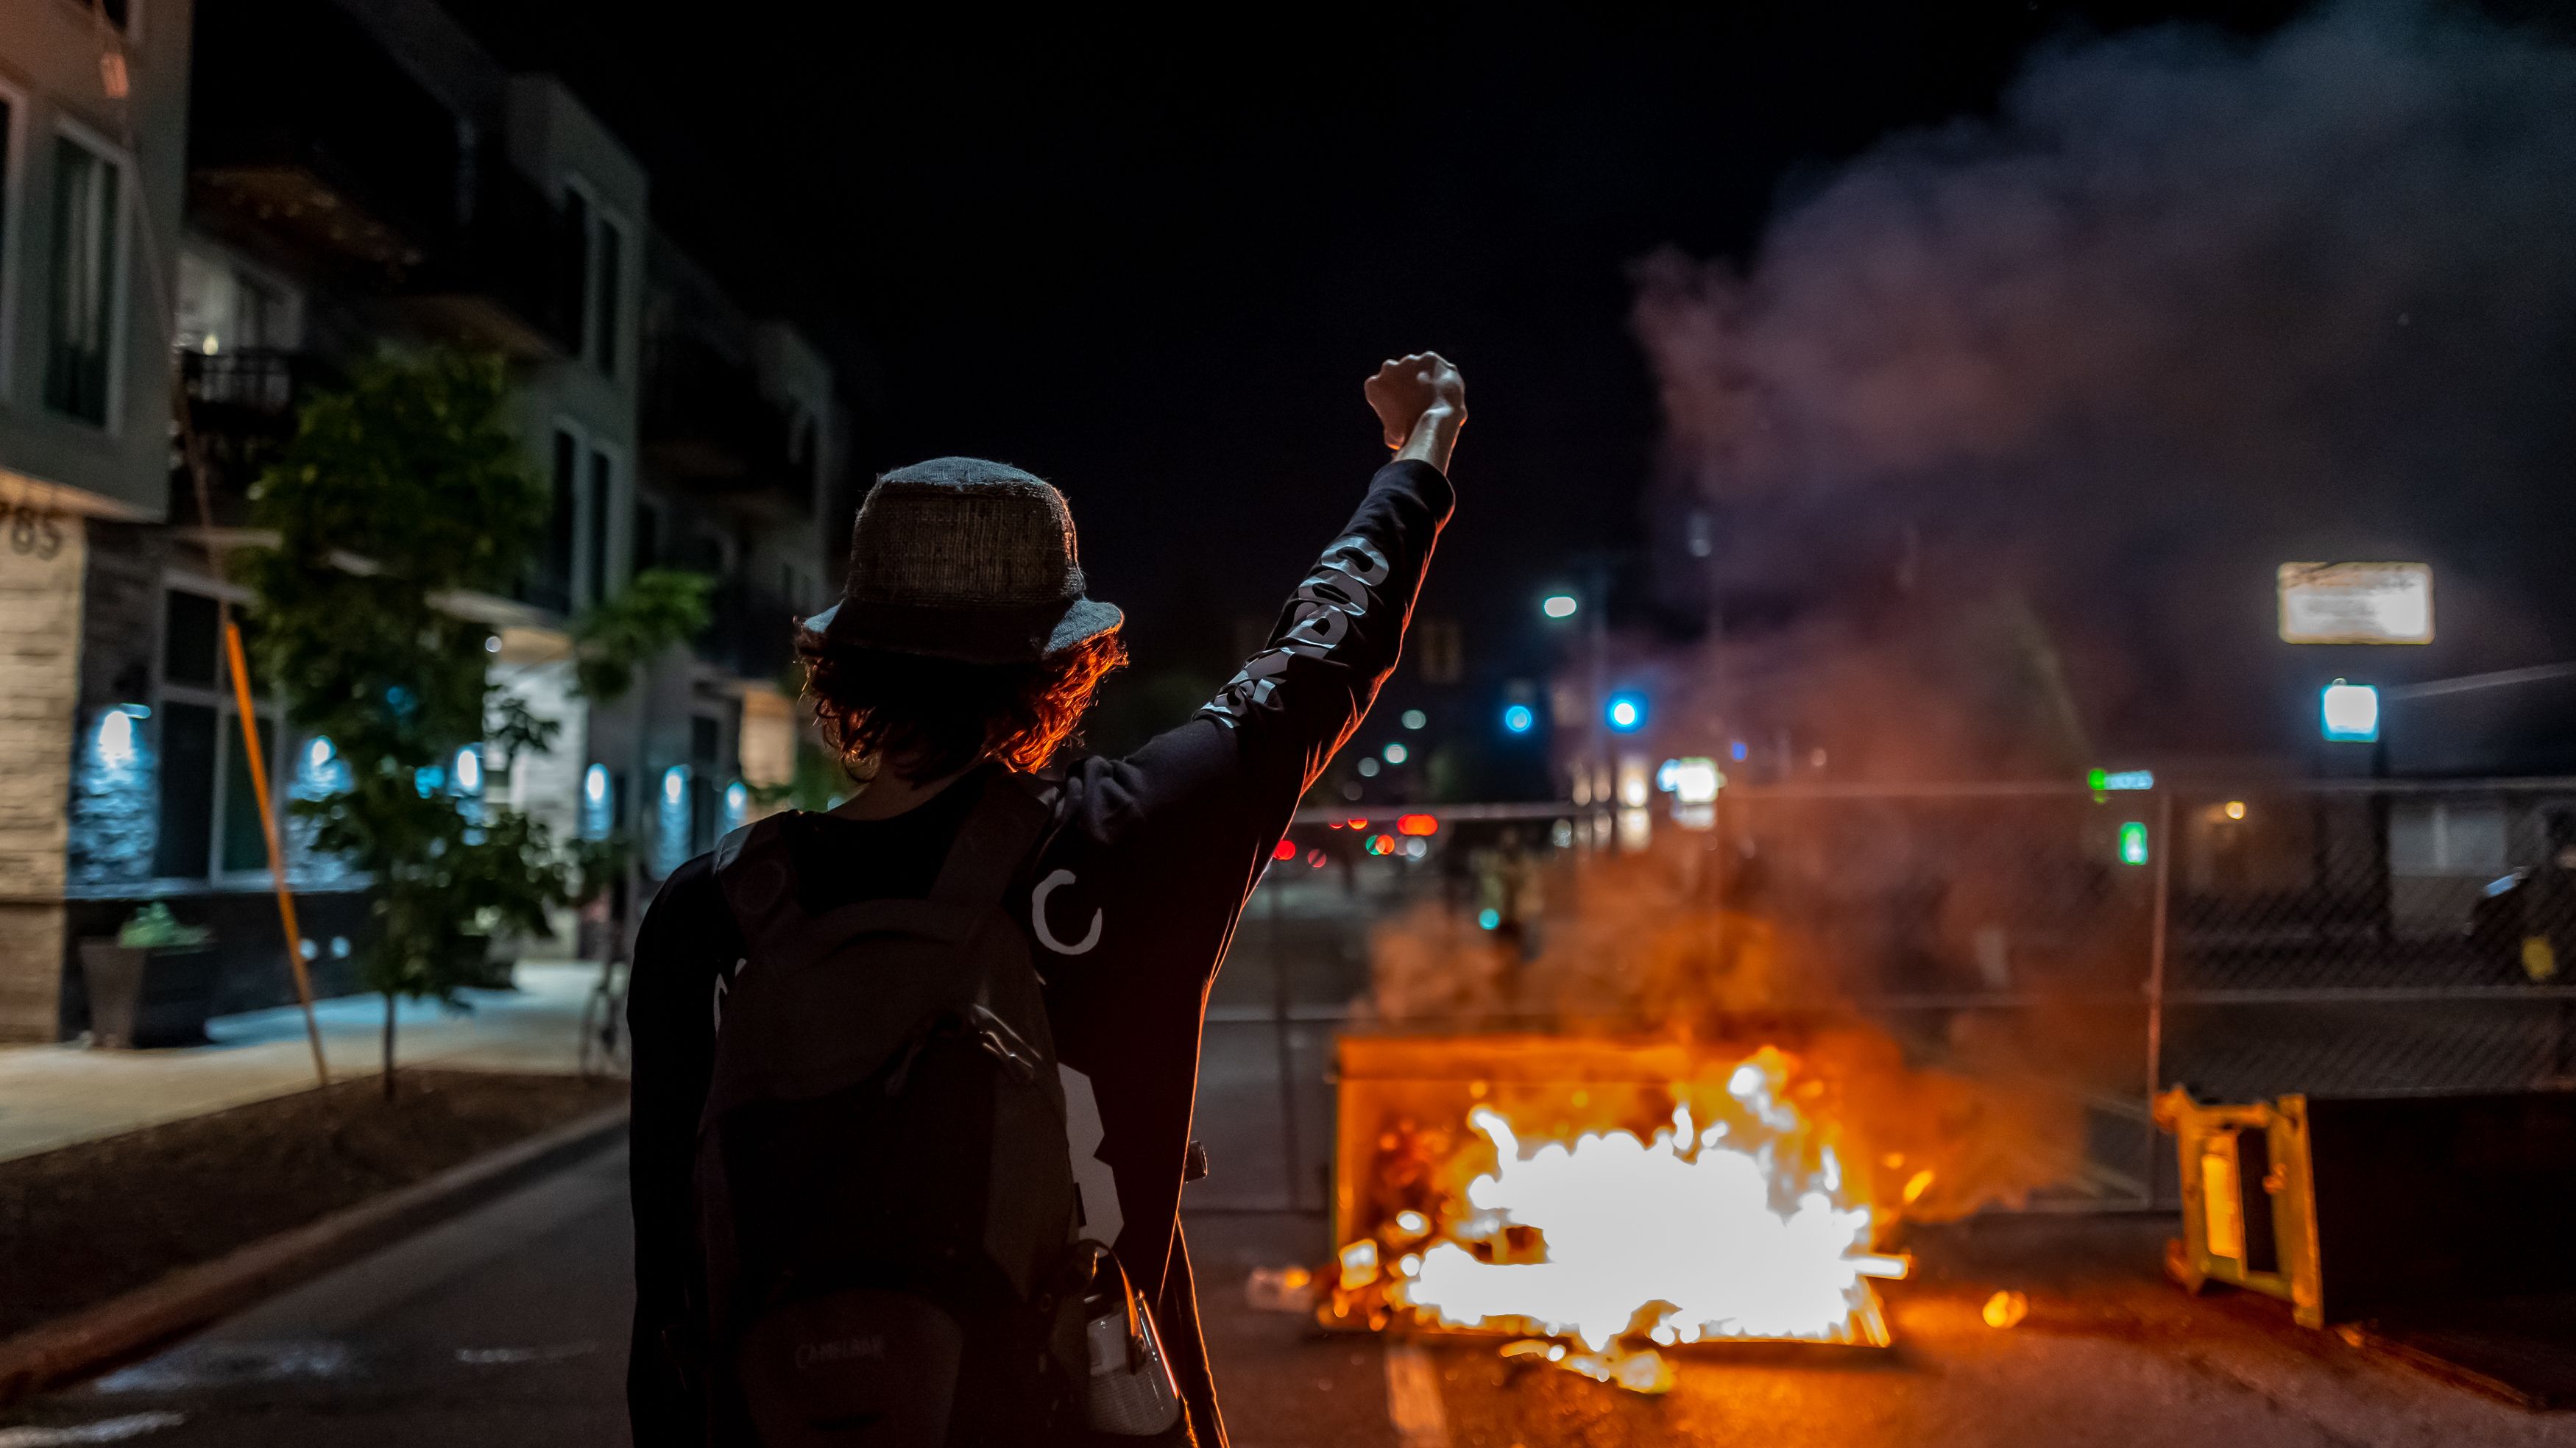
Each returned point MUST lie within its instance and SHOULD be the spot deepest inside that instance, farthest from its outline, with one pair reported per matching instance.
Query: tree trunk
(389, 1046)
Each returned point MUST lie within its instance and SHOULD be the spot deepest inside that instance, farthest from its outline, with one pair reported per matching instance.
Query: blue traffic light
(1627, 712)
(1518, 719)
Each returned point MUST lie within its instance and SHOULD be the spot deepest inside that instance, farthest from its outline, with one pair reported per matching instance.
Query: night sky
(1153, 259)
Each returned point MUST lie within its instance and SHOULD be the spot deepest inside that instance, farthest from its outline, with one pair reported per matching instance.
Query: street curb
(97, 1337)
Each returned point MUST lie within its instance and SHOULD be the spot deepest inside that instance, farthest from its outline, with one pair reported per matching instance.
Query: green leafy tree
(396, 495)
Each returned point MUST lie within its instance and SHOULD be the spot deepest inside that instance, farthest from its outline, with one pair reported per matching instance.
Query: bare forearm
(1435, 434)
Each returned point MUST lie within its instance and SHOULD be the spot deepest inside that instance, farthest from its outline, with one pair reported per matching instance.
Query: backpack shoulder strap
(756, 874)
(995, 841)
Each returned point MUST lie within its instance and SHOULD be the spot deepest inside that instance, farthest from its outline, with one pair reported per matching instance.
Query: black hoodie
(1129, 906)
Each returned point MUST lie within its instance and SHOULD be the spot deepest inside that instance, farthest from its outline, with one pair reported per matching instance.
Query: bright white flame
(1696, 781)
(1686, 1238)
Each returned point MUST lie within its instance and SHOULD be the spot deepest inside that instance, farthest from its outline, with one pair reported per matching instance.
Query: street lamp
(2350, 712)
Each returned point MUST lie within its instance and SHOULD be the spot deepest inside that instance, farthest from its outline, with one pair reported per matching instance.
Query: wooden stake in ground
(276, 846)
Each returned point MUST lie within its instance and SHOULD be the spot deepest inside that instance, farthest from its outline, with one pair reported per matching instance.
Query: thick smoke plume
(1994, 447)
(2185, 307)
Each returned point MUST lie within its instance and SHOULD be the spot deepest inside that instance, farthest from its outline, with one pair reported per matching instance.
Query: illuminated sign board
(2356, 603)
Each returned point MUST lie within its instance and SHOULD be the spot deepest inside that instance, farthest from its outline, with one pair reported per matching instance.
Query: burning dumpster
(1596, 1199)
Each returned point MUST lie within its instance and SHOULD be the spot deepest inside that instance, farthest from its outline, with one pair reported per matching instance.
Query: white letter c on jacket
(1038, 917)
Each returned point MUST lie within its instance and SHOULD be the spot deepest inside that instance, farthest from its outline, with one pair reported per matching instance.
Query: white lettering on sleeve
(1092, 1178)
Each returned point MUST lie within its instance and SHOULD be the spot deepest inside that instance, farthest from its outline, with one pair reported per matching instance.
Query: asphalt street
(506, 1327)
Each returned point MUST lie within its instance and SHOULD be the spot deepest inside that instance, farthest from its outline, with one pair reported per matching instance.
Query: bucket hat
(960, 558)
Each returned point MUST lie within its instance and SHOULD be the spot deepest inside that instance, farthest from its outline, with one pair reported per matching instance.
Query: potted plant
(154, 984)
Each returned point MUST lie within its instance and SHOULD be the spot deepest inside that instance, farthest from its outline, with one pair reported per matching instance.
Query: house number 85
(31, 532)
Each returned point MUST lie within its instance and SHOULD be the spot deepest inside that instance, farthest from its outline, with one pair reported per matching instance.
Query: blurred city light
(1415, 718)
(1627, 712)
(2105, 780)
(1634, 781)
(1489, 918)
(1368, 766)
(1518, 719)
(1736, 751)
(1696, 781)
(2351, 712)
(116, 739)
(1396, 753)
(595, 814)
(1417, 824)
(2133, 843)
(469, 769)
(1284, 850)
(1558, 605)
(2236, 809)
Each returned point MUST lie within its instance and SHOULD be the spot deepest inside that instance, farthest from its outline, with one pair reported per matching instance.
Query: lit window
(87, 206)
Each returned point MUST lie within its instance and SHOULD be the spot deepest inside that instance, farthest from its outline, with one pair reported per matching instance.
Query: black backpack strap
(758, 880)
(995, 842)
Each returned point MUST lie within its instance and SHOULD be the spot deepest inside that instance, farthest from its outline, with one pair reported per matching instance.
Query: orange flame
(1737, 1218)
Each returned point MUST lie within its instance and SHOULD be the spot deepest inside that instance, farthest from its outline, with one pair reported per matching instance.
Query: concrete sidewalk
(53, 1096)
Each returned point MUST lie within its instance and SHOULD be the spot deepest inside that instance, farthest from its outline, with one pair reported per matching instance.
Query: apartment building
(338, 177)
(93, 102)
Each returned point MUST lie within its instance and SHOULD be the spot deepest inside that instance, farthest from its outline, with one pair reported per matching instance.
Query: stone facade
(40, 638)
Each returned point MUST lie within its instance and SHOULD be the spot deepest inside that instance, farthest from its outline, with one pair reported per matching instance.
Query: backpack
(886, 1208)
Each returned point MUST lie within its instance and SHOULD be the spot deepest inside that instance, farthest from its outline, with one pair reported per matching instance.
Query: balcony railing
(241, 406)
(707, 426)
(504, 275)
(303, 129)
(306, 138)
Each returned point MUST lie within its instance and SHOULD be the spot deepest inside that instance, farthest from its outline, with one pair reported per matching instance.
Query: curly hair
(930, 717)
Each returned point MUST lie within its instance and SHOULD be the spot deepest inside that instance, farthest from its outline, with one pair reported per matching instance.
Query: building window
(804, 450)
(224, 308)
(554, 582)
(576, 266)
(609, 259)
(8, 153)
(704, 736)
(209, 815)
(594, 276)
(603, 474)
(86, 206)
(648, 536)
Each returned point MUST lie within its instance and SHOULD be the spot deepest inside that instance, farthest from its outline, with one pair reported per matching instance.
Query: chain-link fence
(2086, 947)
